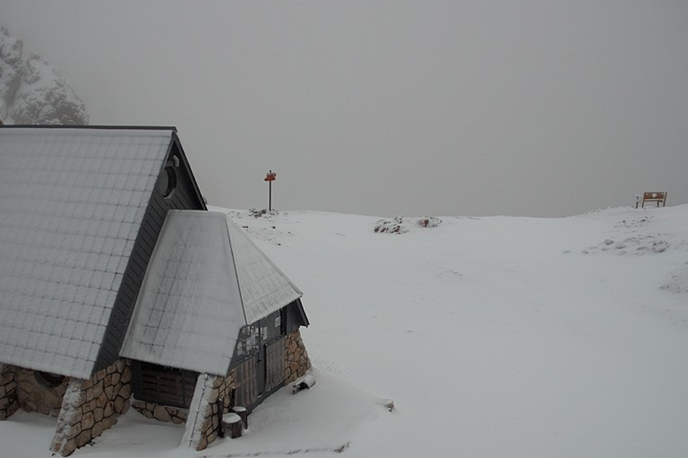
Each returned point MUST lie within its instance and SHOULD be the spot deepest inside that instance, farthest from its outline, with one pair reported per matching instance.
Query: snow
(493, 337)
(231, 418)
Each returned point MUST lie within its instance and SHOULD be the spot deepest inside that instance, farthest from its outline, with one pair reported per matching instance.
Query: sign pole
(270, 177)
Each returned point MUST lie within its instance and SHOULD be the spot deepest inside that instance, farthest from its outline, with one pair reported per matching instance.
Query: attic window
(167, 181)
(48, 379)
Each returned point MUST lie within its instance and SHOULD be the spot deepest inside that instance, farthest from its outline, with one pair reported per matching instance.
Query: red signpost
(270, 177)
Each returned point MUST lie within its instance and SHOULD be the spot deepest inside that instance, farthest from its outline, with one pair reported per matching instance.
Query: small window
(167, 181)
(48, 379)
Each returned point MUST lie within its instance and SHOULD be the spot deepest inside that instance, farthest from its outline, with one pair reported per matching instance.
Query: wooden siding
(259, 358)
(164, 385)
(294, 316)
(246, 388)
(274, 355)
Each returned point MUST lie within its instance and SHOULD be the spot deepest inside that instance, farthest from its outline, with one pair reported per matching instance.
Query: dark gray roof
(71, 204)
(205, 281)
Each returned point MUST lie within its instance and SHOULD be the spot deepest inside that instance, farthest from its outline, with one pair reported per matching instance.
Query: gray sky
(535, 107)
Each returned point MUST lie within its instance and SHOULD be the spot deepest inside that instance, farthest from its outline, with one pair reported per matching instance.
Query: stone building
(119, 288)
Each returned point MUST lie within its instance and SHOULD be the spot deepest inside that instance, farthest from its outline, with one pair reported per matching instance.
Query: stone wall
(91, 406)
(20, 389)
(34, 397)
(176, 415)
(211, 399)
(296, 361)
(8, 392)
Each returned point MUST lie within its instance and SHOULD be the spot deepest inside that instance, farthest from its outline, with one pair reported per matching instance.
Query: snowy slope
(495, 337)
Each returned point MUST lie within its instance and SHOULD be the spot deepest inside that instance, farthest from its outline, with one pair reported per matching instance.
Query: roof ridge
(263, 254)
(236, 271)
(93, 127)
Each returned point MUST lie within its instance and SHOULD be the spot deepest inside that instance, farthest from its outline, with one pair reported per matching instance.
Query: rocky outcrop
(10, 70)
(44, 97)
(32, 91)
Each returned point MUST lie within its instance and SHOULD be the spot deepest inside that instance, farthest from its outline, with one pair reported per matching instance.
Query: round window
(48, 379)
(167, 181)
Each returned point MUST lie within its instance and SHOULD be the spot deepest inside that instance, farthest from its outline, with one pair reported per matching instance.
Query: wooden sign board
(655, 196)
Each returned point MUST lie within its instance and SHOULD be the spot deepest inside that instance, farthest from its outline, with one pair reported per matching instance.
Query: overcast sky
(530, 107)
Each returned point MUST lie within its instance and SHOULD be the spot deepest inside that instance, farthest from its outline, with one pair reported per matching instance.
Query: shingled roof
(72, 202)
(206, 280)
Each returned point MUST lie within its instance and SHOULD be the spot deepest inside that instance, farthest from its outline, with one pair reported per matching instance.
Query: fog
(534, 108)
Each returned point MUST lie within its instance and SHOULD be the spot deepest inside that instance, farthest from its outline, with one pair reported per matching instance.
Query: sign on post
(270, 177)
(655, 196)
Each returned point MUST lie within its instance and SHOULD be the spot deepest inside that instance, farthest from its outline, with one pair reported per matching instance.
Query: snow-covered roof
(71, 204)
(206, 280)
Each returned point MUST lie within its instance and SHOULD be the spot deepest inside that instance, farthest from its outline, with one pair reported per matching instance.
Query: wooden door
(274, 364)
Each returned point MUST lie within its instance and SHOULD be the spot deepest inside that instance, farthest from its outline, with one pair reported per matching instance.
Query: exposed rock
(429, 221)
(394, 226)
(33, 91)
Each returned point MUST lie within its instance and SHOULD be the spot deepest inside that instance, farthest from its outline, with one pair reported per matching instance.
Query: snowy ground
(495, 337)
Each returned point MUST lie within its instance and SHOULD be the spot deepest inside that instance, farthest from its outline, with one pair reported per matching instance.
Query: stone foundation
(162, 413)
(20, 389)
(91, 406)
(296, 361)
(34, 397)
(211, 399)
(8, 392)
